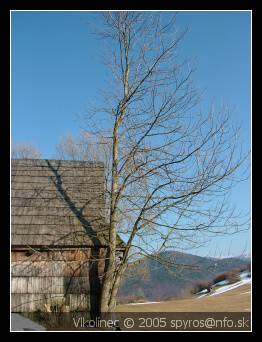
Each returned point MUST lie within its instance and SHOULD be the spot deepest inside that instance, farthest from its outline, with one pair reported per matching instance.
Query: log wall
(61, 280)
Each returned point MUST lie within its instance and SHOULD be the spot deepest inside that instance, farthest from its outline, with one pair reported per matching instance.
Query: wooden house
(59, 235)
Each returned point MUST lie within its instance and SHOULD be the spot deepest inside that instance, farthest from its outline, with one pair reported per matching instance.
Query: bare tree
(25, 151)
(169, 166)
(85, 147)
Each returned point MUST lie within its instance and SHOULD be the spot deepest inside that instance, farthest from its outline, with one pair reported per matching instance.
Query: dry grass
(237, 300)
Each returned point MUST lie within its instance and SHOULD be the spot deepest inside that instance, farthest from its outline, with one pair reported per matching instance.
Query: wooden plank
(66, 180)
(77, 193)
(59, 240)
(25, 302)
(66, 172)
(35, 302)
(19, 285)
(40, 187)
(57, 219)
(91, 200)
(46, 230)
(79, 302)
(55, 255)
(56, 211)
(74, 285)
(50, 268)
(54, 163)
(42, 285)
(25, 229)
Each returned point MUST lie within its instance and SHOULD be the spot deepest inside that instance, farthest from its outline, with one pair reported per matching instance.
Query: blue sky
(57, 73)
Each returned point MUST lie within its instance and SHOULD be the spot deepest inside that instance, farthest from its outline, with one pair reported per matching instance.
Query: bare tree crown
(25, 151)
(169, 166)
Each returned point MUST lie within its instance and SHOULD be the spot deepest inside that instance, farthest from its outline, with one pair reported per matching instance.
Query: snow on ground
(203, 291)
(226, 288)
(221, 283)
(231, 286)
(245, 274)
(143, 303)
(20, 323)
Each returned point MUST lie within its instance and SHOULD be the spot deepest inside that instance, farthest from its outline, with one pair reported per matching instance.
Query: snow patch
(245, 274)
(143, 303)
(231, 287)
(226, 288)
(203, 291)
(221, 283)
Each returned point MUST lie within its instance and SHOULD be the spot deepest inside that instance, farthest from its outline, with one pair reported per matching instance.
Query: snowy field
(224, 286)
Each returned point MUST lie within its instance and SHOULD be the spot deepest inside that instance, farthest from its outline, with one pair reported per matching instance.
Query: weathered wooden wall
(66, 279)
(57, 205)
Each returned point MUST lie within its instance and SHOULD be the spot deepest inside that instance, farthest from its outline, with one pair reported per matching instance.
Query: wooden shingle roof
(58, 203)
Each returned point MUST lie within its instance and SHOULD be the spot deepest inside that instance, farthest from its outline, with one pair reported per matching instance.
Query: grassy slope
(236, 300)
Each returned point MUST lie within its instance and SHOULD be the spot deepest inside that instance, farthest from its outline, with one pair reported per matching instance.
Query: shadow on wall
(94, 280)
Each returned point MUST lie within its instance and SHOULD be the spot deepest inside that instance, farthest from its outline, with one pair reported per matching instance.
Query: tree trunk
(111, 264)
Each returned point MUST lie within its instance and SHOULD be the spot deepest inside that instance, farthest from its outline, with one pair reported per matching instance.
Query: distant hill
(153, 281)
